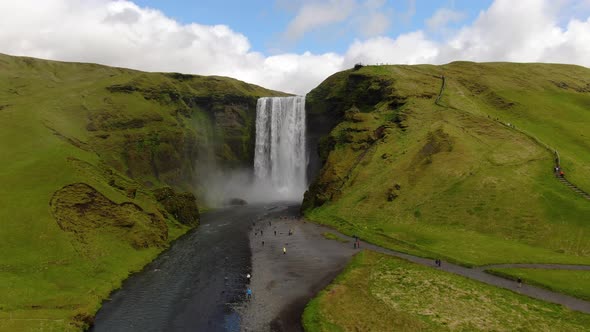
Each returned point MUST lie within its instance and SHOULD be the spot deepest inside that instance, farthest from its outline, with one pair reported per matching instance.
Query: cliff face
(186, 120)
(117, 156)
(343, 97)
(460, 176)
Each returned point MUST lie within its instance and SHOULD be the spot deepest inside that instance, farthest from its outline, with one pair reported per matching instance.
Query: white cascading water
(280, 159)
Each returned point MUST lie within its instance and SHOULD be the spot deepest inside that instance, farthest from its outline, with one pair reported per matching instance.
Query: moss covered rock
(182, 206)
(83, 211)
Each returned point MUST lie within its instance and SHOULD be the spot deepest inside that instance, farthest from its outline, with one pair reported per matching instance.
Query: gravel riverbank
(282, 284)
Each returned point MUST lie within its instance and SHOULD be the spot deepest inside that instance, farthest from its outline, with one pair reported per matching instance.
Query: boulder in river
(236, 201)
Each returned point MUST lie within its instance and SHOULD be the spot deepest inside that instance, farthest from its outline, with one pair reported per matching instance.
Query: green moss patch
(82, 210)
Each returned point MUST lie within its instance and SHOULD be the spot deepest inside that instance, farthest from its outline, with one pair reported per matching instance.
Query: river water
(194, 285)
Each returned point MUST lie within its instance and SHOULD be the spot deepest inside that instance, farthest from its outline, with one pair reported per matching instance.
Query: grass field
(574, 283)
(122, 132)
(382, 293)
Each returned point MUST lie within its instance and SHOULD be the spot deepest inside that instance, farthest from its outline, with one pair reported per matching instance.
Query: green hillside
(453, 180)
(87, 154)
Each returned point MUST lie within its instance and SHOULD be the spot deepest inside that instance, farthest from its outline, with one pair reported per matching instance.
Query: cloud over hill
(121, 33)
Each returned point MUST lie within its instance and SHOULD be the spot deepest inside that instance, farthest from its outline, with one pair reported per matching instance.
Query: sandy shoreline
(282, 284)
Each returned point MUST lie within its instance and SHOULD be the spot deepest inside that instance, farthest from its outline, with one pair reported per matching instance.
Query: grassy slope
(574, 283)
(382, 293)
(466, 187)
(47, 276)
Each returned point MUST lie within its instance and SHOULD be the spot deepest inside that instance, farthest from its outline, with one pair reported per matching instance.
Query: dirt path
(534, 266)
(480, 275)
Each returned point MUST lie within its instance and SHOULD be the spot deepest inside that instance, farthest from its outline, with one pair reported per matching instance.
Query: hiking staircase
(442, 89)
(574, 187)
(561, 179)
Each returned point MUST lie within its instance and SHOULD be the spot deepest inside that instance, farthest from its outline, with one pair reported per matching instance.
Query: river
(191, 286)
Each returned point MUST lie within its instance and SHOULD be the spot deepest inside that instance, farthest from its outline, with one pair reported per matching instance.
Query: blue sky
(293, 45)
(264, 21)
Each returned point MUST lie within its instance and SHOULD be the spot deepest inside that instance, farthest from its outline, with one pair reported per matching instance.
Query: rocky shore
(283, 283)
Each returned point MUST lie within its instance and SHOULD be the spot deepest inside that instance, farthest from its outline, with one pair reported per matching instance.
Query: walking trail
(283, 284)
(551, 150)
(480, 275)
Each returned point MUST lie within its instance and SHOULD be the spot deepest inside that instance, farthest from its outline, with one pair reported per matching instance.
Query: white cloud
(370, 17)
(521, 31)
(302, 72)
(315, 14)
(575, 45)
(444, 17)
(375, 19)
(374, 24)
(120, 33)
(411, 48)
(407, 15)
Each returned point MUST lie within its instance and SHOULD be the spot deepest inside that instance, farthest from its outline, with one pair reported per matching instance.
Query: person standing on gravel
(284, 250)
(249, 294)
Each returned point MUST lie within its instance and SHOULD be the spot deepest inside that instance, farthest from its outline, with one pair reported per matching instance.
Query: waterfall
(280, 158)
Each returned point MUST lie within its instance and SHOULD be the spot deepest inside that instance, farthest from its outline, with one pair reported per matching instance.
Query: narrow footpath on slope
(551, 150)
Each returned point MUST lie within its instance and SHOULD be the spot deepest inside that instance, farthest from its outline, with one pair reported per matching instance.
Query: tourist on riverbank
(249, 294)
